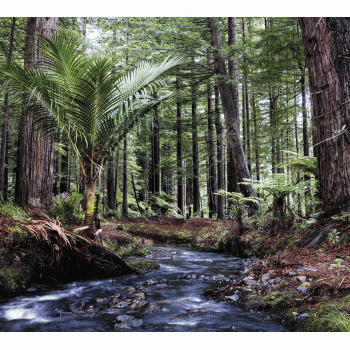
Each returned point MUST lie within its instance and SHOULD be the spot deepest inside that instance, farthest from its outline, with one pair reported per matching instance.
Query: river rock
(140, 296)
(126, 321)
(233, 297)
(302, 278)
(79, 306)
(103, 301)
(249, 281)
(310, 269)
(139, 305)
(265, 277)
(151, 307)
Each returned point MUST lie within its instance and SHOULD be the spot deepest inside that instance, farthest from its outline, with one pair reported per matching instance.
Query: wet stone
(265, 277)
(79, 306)
(233, 297)
(102, 301)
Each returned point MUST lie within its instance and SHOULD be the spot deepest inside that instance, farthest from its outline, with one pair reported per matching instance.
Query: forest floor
(305, 287)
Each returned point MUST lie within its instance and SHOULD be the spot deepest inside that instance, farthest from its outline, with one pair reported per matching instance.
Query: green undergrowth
(329, 315)
(144, 265)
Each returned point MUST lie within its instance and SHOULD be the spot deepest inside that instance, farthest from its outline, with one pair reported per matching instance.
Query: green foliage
(334, 236)
(163, 205)
(12, 210)
(67, 207)
(299, 163)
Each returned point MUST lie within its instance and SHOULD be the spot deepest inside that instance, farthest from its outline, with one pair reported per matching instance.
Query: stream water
(176, 289)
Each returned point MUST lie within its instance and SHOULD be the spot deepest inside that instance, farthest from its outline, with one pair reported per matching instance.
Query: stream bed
(169, 299)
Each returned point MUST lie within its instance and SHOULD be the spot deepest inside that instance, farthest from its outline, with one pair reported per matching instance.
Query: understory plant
(93, 103)
(66, 207)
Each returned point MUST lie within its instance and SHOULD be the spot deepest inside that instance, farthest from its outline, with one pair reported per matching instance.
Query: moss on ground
(144, 265)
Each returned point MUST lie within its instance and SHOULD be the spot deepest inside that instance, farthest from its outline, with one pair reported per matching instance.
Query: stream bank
(302, 276)
(169, 299)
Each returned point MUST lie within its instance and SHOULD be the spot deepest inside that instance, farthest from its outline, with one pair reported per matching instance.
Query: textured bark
(180, 181)
(110, 185)
(36, 150)
(326, 51)
(154, 174)
(64, 171)
(167, 172)
(116, 178)
(303, 106)
(256, 133)
(233, 73)
(4, 139)
(212, 184)
(230, 108)
(195, 158)
(220, 157)
(125, 181)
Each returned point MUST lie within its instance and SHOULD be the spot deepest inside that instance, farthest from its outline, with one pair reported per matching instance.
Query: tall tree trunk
(4, 140)
(195, 157)
(36, 150)
(212, 184)
(110, 185)
(64, 170)
(230, 108)
(179, 157)
(125, 180)
(116, 178)
(233, 73)
(256, 143)
(220, 157)
(154, 174)
(326, 49)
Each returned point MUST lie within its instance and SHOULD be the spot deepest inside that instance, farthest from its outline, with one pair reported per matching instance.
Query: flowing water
(175, 289)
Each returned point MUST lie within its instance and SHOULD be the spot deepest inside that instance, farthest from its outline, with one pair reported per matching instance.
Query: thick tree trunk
(326, 51)
(195, 158)
(230, 108)
(36, 150)
(4, 140)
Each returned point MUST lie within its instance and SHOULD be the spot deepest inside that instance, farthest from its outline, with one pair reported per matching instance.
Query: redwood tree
(36, 150)
(326, 47)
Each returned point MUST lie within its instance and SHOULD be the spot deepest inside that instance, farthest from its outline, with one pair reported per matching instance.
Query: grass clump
(11, 210)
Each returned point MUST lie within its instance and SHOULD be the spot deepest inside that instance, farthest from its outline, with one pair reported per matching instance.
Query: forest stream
(167, 299)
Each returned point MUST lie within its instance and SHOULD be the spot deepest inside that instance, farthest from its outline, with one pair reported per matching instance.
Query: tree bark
(110, 185)
(233, 73)
(230, 108)
(326, 49)
(4, 140)
(212, 184)
(36, 150)
(125, 180)
(220, 157)
(195, 158)
(154, 174)
(179, 157)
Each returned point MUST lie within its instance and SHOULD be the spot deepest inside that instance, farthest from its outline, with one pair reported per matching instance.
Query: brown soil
(174, 229)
